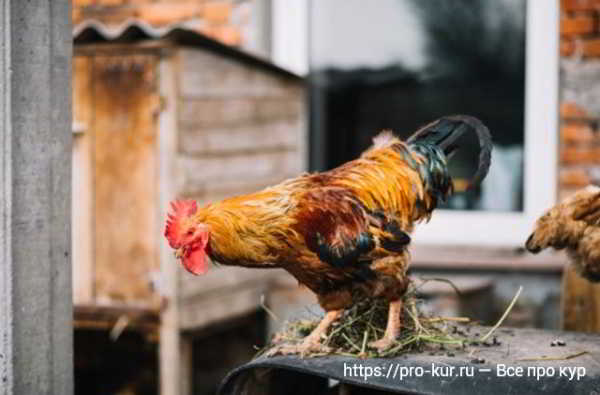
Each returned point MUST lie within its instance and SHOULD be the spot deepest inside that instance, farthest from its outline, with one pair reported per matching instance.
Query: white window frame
(468, 228)
(289, 34)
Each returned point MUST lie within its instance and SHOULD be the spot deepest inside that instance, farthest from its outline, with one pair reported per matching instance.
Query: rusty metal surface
(519, 348)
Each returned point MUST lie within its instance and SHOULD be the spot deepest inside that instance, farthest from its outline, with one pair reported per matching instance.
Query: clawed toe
(382, 344)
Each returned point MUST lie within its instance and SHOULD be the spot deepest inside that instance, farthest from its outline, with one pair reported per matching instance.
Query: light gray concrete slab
(36, 355)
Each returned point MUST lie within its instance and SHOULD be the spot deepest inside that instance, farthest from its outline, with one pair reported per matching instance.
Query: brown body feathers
(573, 224)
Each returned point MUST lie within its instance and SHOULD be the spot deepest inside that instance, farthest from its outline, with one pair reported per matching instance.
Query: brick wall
(224, 20)
(579, 94)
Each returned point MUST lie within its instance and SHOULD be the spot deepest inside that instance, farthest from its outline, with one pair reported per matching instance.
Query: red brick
(82, 3)
(564, 193)
(570, 110)
(75, 15)
(579, 155)
(567, 47)
(109, 2)
(574, 178)
(577, 25)
(229, 35)
(217, 12)
(579, 5)
(576, 133)
(167, 13)
(590, 47)
(108, 16)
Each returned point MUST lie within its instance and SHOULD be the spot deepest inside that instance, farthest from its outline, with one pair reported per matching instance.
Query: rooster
(342, 233)
(573, 224)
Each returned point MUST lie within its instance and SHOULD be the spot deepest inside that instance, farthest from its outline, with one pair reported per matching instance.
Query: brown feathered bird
(573, 224)
(342, 233)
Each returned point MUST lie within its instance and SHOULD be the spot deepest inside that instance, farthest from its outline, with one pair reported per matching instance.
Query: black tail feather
(445, 131)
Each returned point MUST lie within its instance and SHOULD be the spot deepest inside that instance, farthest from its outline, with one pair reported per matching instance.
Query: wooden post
(82, 177)
(580, 303)
(174, 349)
(36, 333)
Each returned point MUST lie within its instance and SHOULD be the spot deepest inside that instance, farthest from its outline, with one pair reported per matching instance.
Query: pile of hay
(366, 322)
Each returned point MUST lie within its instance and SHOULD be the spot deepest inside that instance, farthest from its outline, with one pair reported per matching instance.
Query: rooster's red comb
(179, 209)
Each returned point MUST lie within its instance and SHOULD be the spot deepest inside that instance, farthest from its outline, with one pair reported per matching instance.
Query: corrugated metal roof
(134, 30)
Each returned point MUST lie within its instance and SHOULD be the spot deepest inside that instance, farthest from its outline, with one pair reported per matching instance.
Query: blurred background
(208, 99)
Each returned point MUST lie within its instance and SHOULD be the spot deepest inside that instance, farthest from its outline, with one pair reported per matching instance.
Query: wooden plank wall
(116, 176)
(236, 114)
(240, 129)
(125, 176)
(81, 206)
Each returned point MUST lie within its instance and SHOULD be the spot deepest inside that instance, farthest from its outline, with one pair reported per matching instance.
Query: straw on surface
(366, 322)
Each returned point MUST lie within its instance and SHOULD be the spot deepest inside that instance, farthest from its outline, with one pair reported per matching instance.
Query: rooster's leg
(312, 343)
(393, 327)
(315, 336)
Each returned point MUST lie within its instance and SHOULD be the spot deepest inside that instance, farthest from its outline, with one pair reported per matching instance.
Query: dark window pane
(398, 64)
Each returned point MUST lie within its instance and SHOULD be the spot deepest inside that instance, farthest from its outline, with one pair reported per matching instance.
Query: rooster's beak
(179, 253)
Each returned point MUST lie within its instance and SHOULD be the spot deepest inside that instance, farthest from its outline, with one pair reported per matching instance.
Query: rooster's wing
(341, 231)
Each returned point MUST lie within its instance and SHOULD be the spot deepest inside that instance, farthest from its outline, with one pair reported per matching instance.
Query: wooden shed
(160, 114)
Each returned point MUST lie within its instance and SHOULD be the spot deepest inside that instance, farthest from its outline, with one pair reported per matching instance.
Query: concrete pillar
(36, 332)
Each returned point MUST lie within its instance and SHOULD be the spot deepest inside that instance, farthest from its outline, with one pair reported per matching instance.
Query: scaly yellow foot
(312, 343)
(393, 327)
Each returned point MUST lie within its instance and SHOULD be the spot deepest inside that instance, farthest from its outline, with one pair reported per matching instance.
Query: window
(403, 63)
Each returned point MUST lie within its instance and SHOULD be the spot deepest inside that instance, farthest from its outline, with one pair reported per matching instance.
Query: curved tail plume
(445, 131)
